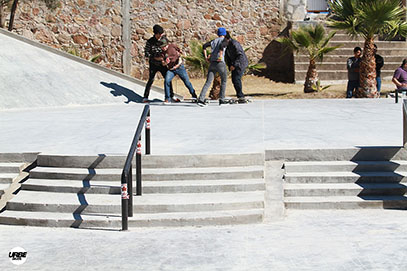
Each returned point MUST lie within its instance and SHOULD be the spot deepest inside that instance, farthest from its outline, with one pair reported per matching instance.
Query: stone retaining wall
(95, 26)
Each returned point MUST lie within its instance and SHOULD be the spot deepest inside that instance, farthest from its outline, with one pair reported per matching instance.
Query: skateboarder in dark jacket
(153, 52)
(237, 62)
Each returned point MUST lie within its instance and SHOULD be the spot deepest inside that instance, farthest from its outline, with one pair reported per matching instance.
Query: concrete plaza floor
(56, 104)
(303, 240)
(186, 128)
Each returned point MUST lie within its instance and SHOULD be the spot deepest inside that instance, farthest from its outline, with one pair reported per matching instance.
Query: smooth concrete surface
(33, 75)
(304, 240)
(185, 128)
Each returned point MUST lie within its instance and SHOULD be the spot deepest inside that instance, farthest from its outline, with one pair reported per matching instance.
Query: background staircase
(370, 178)
(333, 68)
(84, 191)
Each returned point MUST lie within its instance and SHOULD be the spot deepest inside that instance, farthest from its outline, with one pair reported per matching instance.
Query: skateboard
(236, 101)
(227, 100)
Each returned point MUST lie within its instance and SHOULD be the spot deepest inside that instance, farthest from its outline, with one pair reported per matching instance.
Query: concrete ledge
(349, 154)
(151, 161)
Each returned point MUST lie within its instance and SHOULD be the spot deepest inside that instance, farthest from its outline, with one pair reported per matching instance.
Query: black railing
(127, 173)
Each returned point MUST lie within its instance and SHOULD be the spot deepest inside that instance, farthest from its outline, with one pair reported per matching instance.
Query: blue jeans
(378, 83)
(237, 82)
(352, 85)
(182, 73)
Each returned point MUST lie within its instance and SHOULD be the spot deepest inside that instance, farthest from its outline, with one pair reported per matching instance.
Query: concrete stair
(84, 191)
(377, 182)
(12, 166)
(333, 67)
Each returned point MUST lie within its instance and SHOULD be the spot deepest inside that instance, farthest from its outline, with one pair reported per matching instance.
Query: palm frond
(196, 59)
(367, 18)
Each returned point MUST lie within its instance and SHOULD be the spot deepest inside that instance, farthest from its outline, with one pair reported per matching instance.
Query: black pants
(237, 75)
(153, 69)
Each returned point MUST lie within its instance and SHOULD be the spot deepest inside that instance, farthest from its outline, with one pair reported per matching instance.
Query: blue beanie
(221, 31)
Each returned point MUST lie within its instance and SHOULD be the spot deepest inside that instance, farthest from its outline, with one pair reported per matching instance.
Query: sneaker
(242, 100)
(145, 100)
(167, 101)
(194, 95)
(175, 100)
(223, 102)
(201, 103)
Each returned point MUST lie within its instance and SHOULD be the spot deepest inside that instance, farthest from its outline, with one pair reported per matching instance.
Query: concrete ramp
(34, 75)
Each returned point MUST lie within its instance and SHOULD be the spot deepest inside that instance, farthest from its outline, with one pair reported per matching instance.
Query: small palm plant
(313, 41)
(75, 51)
(196, 59)
(369, 19)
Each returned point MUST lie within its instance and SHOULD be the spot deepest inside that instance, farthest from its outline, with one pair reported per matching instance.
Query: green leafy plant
(75, 51)
(313, 41)
(369, 19)
(196, 59)
(318, 86)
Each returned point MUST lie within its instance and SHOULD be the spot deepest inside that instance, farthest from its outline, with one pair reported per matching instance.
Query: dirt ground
(263, 88)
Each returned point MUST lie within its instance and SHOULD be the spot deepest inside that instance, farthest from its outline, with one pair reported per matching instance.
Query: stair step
(103, 187)
(337, 166)
(340, 66)
(151, 161)
(344, 189)
(339, 58)
(11, 167)
(341, 40)
(160, 174)
(7, 177)
(335, 74)
(18, 157)
(348, 154)
(345, 177)
(148, 203)
(48, 219)
(346, 202)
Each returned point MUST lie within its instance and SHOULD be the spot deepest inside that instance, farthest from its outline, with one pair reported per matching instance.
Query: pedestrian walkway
(303, 240)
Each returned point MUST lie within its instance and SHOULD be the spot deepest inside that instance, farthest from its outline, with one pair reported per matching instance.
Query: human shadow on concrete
(380, 176)
(118, 90)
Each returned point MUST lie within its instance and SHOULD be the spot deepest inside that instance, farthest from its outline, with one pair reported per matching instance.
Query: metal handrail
(126, 179)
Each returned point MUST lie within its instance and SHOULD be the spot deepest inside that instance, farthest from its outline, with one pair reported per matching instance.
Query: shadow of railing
(83, 203)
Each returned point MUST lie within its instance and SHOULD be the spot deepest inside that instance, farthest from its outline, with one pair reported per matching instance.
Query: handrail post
(138, 168)
(148, 120)
(125, 204)
(127, 173)
(130, 189)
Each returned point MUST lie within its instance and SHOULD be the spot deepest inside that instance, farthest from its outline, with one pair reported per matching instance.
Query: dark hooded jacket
(235, 55)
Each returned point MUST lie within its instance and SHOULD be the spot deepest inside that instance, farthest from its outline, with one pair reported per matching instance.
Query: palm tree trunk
(12, 14)
(2, 19)
(215, 91)
(312, 77)
(367, 72)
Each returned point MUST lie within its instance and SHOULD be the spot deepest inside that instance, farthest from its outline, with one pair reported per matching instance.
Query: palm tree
(369, 19)
(312, 41)
(3, 4)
